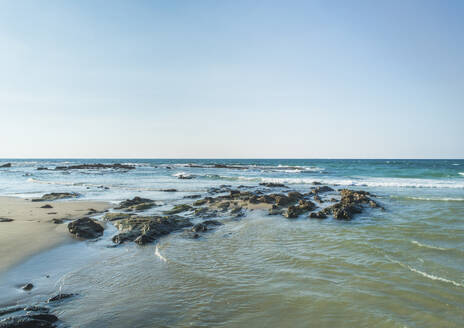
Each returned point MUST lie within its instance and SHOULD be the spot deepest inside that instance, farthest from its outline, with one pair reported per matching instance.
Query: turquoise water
(403, 267)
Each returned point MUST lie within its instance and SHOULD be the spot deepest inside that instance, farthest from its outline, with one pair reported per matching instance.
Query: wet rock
(273, 185)
(55, 196)
(85, 228)
(46, 206)
(27, 286)
(205, 212)
(200, 227)
(97, 166)
(317, 215)
(92, 211)
(350, 203)
(42, 168)
(185, 176)
(36, 308)
(318, 199)
(169, 190)
(6, 220)
(178, 209)
(321, 189)
(136, 204)
(59, 297)
(200, 202)
(57, 221)
(44, 317)
(26, 322)
(295, 195)
(192, 196)
(282, 200)
(116, 216)
(266, 199)
(292, 212)
(5, 165)
(316, 183)
(147, 229)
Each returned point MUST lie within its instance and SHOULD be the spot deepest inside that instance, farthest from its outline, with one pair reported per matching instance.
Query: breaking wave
(415, 242)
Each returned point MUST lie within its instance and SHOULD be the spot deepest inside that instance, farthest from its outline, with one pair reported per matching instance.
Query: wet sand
(32, 229)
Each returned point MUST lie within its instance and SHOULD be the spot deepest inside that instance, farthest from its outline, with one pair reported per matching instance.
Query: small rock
(59, 297)
(46, 206)
(28, 286)
(6, 220)
(85, 228)
(5, 165)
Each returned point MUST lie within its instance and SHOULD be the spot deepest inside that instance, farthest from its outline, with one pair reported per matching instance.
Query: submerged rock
(29, 321)
(350, 203)
(178, 209)
(55, 196)
(144, 230)
(27, 287)
(97, 166)
(5, 165)
(273, 185)
(85, 228)
(317, 215)
(60, 297)
(116, 216)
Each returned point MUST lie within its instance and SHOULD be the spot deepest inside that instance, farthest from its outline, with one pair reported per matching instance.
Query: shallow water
(402, 267)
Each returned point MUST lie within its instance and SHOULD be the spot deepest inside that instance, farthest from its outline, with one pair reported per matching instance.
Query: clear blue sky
(298, 79)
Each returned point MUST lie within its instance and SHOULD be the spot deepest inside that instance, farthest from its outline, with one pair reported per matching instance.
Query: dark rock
(59, 297)
(178, 209)
(192, 196)
(294, 196)
(57, 221)
(97, 166)
(200, 202)
(36, 308)
(292, 212)
(5, 165)
(44, 316)
(317, 215)
(46, 206)
(116, 216)
(322, 189)
(185, 177)
(28, 286)
(10, 309)
(273, 185)
(25, 322)
(136, 204)
(55, 196)
(169, 190)
(200, 227)
(282, 200)
(316, 183)
(6, 220)
(51, 213)
(147, 229)
(275, 211)
(42, 168)
(85, 228)
(318, 199)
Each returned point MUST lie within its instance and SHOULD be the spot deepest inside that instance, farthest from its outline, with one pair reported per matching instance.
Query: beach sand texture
(32, 229)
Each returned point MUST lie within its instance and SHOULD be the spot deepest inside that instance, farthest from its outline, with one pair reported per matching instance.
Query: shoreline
(32, 230)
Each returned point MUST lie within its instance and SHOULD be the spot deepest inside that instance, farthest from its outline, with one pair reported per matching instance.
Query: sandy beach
(32, 229)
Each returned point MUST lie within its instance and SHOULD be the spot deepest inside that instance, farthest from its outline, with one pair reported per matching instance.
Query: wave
(362, 182)
(430, 199)
(415, 242)
(432, 277)
(425, 274)
(461, 173)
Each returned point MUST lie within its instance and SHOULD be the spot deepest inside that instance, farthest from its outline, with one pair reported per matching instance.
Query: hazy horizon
(241, 79)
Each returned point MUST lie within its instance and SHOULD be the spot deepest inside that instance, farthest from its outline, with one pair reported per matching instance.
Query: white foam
(432, 277)
(425, 274)
(461, 173)
(157, 253)
(415, 242)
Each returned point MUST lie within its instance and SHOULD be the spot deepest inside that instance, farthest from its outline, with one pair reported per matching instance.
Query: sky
(231, 79)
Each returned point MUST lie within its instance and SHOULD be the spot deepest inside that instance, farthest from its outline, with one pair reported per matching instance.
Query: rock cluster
(97, 166)
(85, 228)
(55, 196)
(142, 230)
(351, 203)
(136, 204)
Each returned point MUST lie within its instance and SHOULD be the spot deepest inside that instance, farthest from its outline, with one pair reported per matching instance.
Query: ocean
(402, 267)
